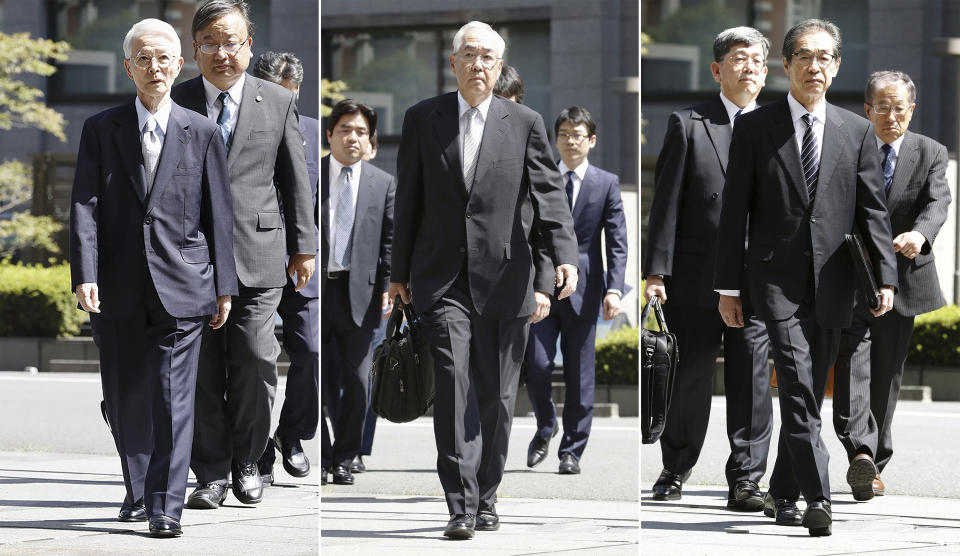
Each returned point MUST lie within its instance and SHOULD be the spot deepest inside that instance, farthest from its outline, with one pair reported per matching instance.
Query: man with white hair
(151, 255)
(476, 179)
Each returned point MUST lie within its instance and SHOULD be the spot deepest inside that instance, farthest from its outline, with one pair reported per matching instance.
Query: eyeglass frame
(577, 138)
(876, 108)
(815, 56)
(732, 59)
(161, 65)
(469, 63)
(222, 46)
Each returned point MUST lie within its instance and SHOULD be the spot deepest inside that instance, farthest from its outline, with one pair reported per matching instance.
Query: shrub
(37, 301)
(617, 358)
(936, 338)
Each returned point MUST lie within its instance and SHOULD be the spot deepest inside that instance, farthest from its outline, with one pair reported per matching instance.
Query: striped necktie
(223, 120)
(471, 144)
(810, 157)
(343, 238)
(887, 167)
(151, 145)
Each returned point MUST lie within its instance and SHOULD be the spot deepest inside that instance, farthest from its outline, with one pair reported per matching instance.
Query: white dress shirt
(895, 146)
(578, 173)
(463, 106)
(162, 115)
(335, 186)
(732, 108)
(211, 92)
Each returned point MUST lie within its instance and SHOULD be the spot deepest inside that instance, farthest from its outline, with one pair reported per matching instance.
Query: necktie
(809, 157)
(471, 144)
(223, 120)
(151, 145)
(570, 189)
(887, 167)
(343, 237)
(737, 115)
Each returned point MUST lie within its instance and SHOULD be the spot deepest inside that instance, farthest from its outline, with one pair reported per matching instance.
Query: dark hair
(277, 66)
(509, 84)
(576, 116)
(880, 79)
(374, 139)
(348, 106)
(749, 36)
(215, 9)
(806, 26)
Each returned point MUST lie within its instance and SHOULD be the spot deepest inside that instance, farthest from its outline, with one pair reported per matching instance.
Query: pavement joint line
(715, 510)
(607, 544)
(927, 546)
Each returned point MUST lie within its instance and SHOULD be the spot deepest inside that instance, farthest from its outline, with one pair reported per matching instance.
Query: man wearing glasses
(237, 378)
(475, 179)
(802, 174)
(872, 350)
(678, 265)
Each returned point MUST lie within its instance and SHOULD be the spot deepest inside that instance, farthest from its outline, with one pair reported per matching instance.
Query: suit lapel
(785, 141)
(716, 123)
(195, 98)
(494, 131)
(324, 210)
(834, 142)
(174, 142)
(587, 191)
(364, 200)
(447, 127)
(127, 139)
(906, 163)
(250, 112)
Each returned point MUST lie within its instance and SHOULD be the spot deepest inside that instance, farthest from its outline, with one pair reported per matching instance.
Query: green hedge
(936, 338)
(37, 301)
(618, 357)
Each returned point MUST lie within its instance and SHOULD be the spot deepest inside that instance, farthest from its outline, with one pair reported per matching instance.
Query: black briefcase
(658, 367)
(866, 282)
(401, 374)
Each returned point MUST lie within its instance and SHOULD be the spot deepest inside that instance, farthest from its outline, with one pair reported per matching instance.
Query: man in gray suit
(873, 349)
(237, 379)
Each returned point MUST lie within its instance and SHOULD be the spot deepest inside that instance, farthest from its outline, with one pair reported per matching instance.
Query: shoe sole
(818, 523)
(487, 527)
(569, 472)
(746, 505)
(294, 472)
(860, 477)
(165, 534)
(202, 504)
(459, 534)
(131, 519)
(666, 497)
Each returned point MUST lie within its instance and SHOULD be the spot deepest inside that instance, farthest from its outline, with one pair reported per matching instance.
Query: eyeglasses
(807, 57)
(741, 60)
(564, 136)
(231, 48)
(145, 61)
(486, 60)
(884, 109)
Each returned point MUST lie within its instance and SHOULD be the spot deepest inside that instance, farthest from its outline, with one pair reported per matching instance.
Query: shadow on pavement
(365, 499)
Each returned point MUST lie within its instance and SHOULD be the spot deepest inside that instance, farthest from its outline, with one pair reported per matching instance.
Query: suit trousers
(803, 352)
(867, 379)
(577, 344)
(477, 366)
(236, 386)
(148, 363)
(352, 343)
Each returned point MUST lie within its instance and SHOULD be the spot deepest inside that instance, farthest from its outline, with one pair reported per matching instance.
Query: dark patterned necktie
(569, 188)
(887, 167)
(809, 157)
(223, 119)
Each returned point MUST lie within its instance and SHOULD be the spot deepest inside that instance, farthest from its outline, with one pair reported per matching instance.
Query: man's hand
(566, 277)
(386, 305)
(223, 310)
(909, 244)
(303, 266)
(886, 301)
(399, 288)
(731, 310)
(655, 287)
(543, 307)
(89, 297)
(611, 306)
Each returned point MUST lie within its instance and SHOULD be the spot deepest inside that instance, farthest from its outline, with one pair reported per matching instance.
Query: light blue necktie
(223, 120)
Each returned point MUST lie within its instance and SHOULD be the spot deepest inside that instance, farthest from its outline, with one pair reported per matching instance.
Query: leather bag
(401, 374)
(658, 367)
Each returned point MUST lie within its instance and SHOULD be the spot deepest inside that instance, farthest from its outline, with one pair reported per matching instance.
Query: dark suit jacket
(310, 129)
(266, 163)
(794, 241)
(370, 256)
(919, 199)
(182, 230)
(685, 212)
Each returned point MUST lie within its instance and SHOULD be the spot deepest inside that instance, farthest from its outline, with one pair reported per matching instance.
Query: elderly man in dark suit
(872, 350)
(679, 261)
(298, 308)
(151, 256)
(475, 179)
(802, 173)
(237, 378)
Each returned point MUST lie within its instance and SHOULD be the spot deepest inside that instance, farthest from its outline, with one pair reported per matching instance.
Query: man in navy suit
(594, 198)
(151, 254)
(298, 309)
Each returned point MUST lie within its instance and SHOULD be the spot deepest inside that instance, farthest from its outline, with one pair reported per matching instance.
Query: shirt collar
(732, 108)
(236, 90)
(896, 144)
(483, 107)
(161, 115)
(580, 170)
(797, 110)
(336, 167)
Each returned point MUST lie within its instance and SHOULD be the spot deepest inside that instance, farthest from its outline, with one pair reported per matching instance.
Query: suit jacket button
(469, 214)
(806, 253)
(813, 219)
(148, 220)
(715, 195)
(463, 249)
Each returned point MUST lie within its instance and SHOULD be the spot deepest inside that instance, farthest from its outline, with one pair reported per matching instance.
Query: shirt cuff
(618, 292)
(732, 293)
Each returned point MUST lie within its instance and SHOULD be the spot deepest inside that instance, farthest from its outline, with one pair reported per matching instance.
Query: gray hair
(738, 35)
(277, 66)
(498, 43)
(806, 26)
(151, 25)
(880, 79)
(215, 9)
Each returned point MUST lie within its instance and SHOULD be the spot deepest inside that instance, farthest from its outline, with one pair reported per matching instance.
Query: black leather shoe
(266, 472)
(669, 485)
(163, 526)
(133, 512)
(569, 465)
(323, 476)
(538, 448)
(818, 518)
(357, 466)
(745, 497)
(295, 462)
(342, 475)
(487, 519)
(460, 527)
(247, 486)
(783, 510)
(207, 497)
(860, 477)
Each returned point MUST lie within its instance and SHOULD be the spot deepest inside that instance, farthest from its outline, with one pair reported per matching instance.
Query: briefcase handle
(396, 319)
(654, 303)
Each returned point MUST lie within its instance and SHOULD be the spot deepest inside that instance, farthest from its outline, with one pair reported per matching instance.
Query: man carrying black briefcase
(402, 371)
(658, 366)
